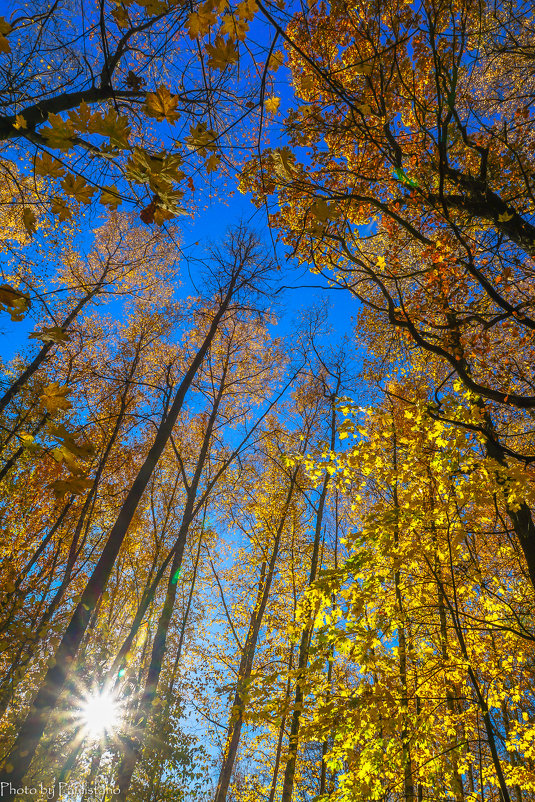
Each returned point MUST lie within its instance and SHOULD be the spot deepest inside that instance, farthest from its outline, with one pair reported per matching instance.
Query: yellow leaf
(52, 334)
(222, 53)
(247, 9)
(320, 209)
(20, 122)
(281, 163)
(60, 208)
(48, 165)
(271, 104)
(29, 219)
(212, 163)
(161, 215)
(81, 117)
(113, 126)
(235, 28)
(74, 485)
(5, 28)
(76, 186)
(120, 15)
(61, 133)
(199, 23)
(381, 262)
(201, 138)
(13, 301)
(162, 105)
(276, 60)
(54, 398)
(505, 217)
(110, 197)
(364, 68)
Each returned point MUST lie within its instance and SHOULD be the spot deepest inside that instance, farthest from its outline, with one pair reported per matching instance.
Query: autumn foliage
(247, 554)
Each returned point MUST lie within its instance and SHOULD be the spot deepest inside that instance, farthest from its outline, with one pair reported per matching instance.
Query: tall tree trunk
(302, 662)
(132, 747)
(247, 657)
(21, 754)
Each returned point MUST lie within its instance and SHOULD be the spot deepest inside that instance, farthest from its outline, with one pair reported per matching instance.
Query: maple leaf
(200, 22)
(74, 485)
(234, 28)
(59, 430)
(60, 134)
(60, 208)
(281, 162)
(201, 138)
(505, 217)
(134, 81)
(5, 28)
(14, 301)
(271, 104)
(81, 117)
(111, 197)
(120, 15)
(76, 186)
(52, 334)
(162, 105)
(147, 214)
(20, 122)
(29, 219)
(247, 9)
(54, 397)
(160, 215)
(28, 442)
(320, 210)
(276, 60)
(48, 165)
(63, 455)
(113, 126)
(222, 54)
(212, 163)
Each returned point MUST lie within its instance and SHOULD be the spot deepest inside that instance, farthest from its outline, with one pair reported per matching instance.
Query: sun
(100, 714)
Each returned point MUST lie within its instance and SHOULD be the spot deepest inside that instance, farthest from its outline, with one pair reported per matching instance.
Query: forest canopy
(267, 400)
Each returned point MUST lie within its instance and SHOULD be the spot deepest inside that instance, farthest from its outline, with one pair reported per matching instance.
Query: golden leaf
(222, 54)
(52, 334)
(81, 117)
(199, 23)
(162, 105)
(20, 122)
(212, 163)
(54, 398)
(60, 208)
(29, 220)
(61, 133)
(76, 186)
(271, 104)
(505, 217)
(110, 197)
(113, 126)
(14, 301)
(48, 165)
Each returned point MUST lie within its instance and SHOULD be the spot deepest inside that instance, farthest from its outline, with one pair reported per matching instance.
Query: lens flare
(100, 714)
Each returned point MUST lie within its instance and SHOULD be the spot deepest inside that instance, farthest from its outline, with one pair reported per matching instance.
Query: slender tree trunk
(282, 728)
(247, 657)
(132, 750)
(20, 755)
(302, 662)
